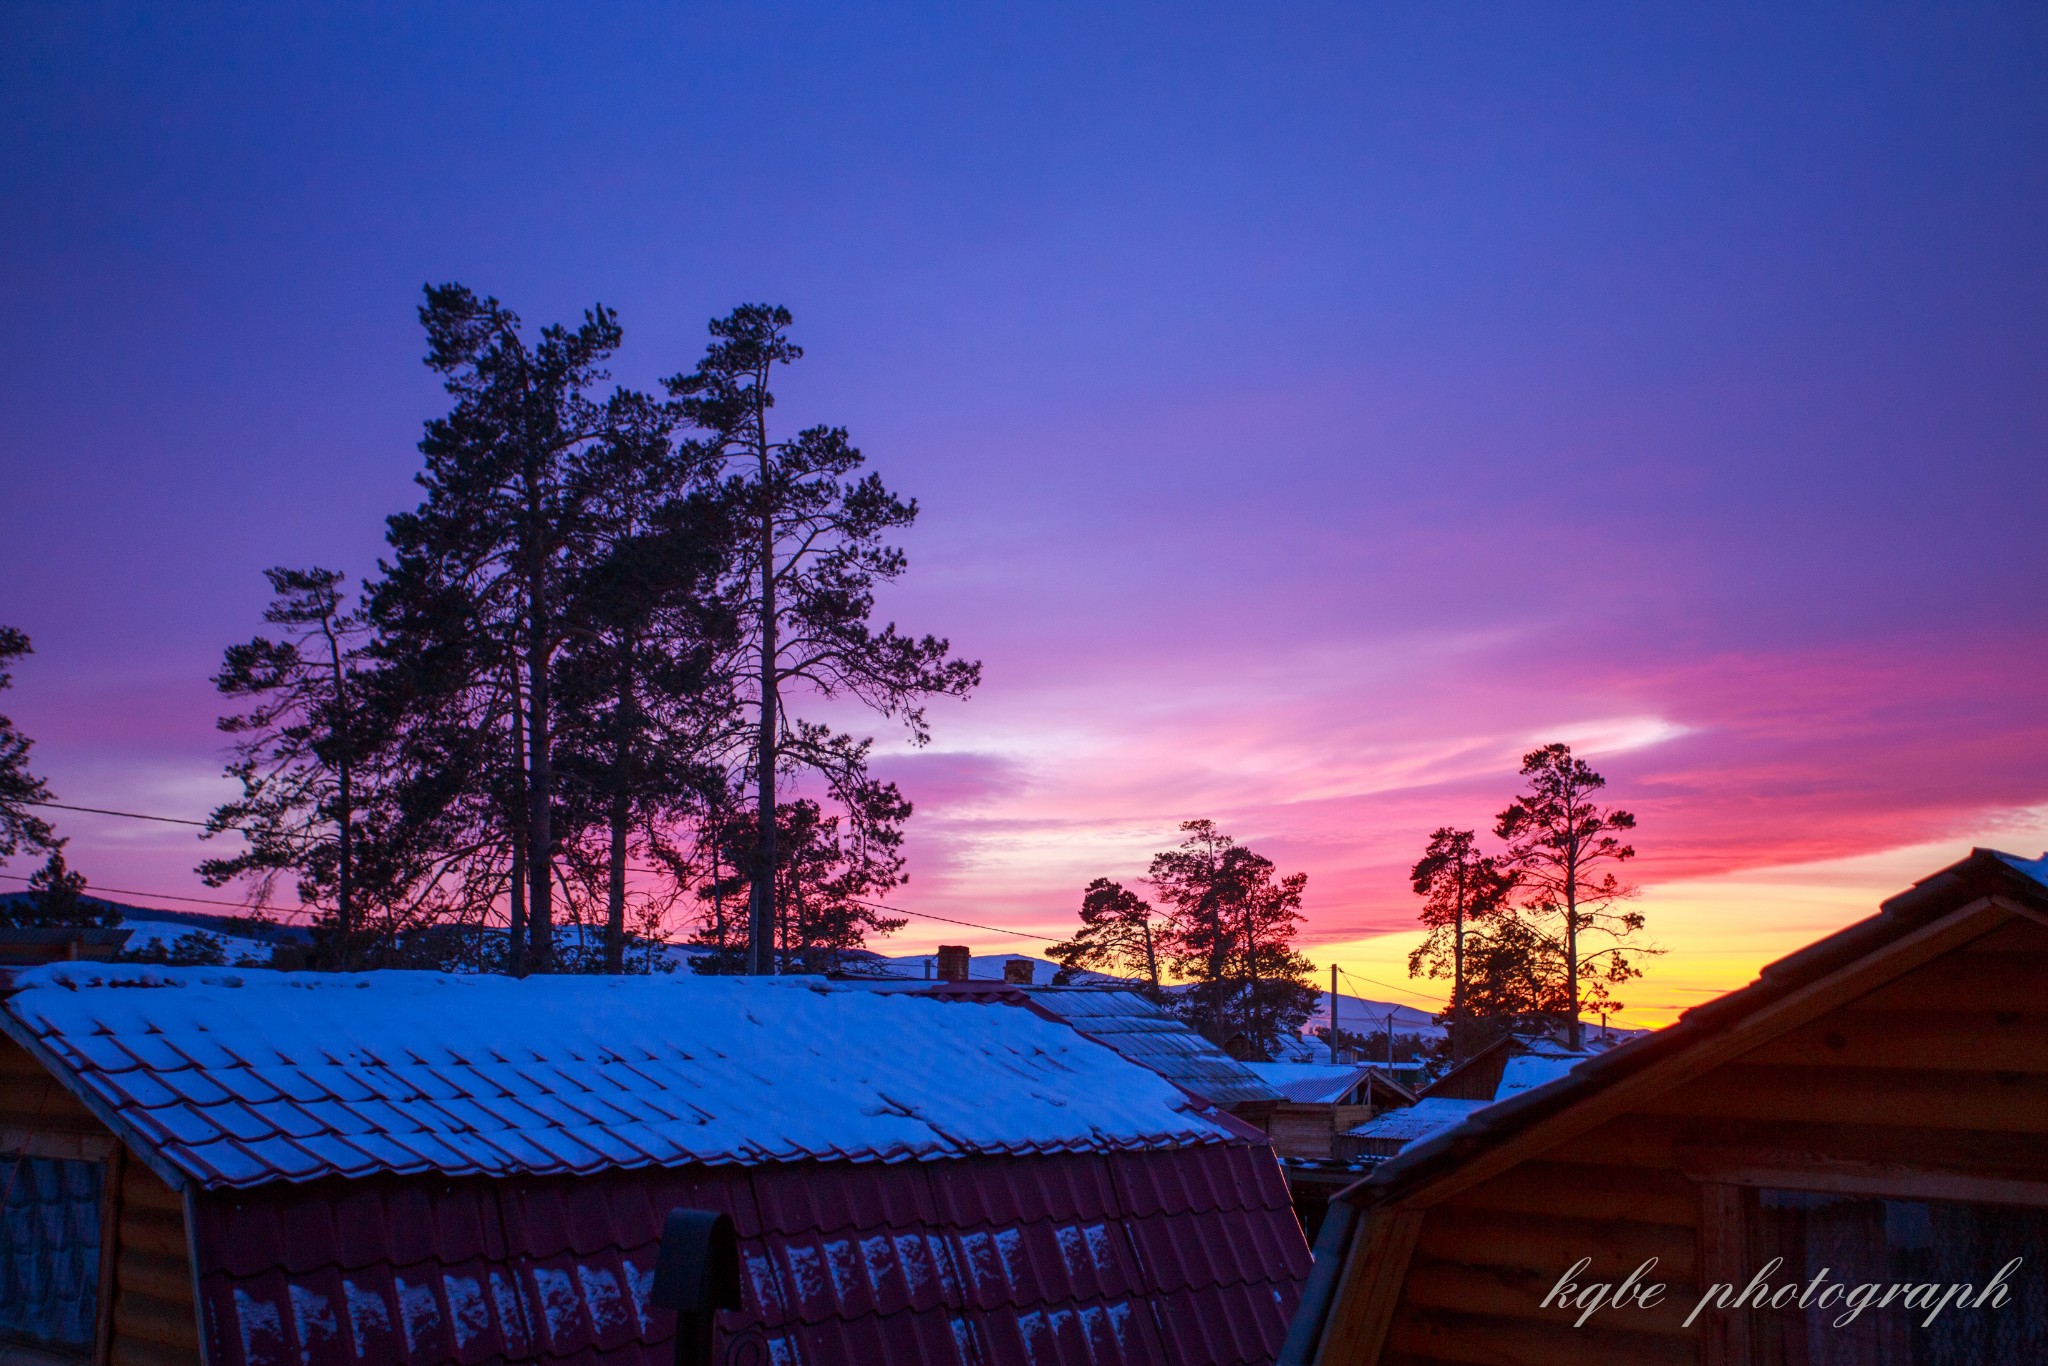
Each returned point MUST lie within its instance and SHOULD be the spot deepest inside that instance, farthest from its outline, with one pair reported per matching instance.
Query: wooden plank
(1855, 981)
(2023, 935)
(110, 1241)
(146, 1189)
(142, 1352)
(160, 1275)
(1474, 1338)
(15, 1062)
(1981, 981)
(1547, 1243)
(1955, 1040)
(1586, 1191)
(1721, 1147)
(33, 1102)
(77, 1145)
(152, 1230)
(1724, 1258)
(137, 1315)
(1895, 1185)
(190, 1196)
(1518, 1293)
(1644, 1142)
(2011, 1102)
(1370, 1287)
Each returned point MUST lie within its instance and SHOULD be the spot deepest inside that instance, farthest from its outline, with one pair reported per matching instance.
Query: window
(50, 1252)
(1868, 1240)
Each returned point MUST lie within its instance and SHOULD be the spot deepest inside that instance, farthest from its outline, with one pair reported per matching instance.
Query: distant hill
(233, 927)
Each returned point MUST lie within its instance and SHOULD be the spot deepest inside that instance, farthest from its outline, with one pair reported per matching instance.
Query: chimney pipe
(1018, 971)
(953, 962)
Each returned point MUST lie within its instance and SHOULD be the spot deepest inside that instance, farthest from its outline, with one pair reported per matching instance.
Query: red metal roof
(1191, 1255)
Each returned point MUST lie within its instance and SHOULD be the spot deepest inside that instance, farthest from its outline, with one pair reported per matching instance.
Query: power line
(180, 820)
(160, 896)
(131, 815)
(927, 915)
(1389, 986)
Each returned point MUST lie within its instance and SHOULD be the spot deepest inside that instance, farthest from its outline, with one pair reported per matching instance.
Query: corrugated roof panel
(390, 1270)
(1153, 1037)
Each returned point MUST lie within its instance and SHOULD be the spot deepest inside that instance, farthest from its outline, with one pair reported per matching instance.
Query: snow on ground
(144, 934)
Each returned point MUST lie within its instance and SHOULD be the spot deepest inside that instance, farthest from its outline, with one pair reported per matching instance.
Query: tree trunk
(540, 848)
(1151, 961)
(515, 930)
(1254, 1016)
(344, 912)
(621, 814)
(1571, 946)
(1458, 971)
(615, 901)
(761, 913)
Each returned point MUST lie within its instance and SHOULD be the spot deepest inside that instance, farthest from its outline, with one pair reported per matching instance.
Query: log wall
(147, 1312)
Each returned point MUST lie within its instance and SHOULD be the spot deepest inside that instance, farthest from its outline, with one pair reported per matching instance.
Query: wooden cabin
(244, 1167)
(1874, 1108)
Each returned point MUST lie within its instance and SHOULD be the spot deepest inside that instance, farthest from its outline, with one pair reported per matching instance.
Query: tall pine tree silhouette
(813, 530)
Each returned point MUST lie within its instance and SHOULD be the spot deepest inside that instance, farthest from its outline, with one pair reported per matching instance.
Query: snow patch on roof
(1430, 1115)
(1309, 1083)
(1531, 1070)
(238, 1077)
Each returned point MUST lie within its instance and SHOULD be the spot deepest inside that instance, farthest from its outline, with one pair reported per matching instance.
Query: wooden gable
(1918, 1071)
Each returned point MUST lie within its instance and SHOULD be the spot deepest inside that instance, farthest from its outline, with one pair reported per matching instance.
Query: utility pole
(1390, 1039)
(1333, 1014)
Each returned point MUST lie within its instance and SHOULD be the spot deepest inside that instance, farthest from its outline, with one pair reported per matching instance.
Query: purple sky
(1312, 408)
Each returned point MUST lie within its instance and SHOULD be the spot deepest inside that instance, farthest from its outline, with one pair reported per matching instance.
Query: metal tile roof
(238, 1078)
(1180, 1256)
(1430, 1115)
(1310, 1083)
(1154, 1037)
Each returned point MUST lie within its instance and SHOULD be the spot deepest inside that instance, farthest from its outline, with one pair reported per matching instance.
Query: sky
(1312, 408)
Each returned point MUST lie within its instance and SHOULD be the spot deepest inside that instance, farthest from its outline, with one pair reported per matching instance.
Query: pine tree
(304, 752)
(1513, 972)
(20, 790)
(1562, 850)
(829, 876)
(478, 572)
(1462, 888)
(638, 688)
(56, 897)
(1117, 937)
(813, 554)
(1232, 926)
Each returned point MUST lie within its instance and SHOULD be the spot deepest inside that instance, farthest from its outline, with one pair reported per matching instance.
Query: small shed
(1318, 1103)
(256, 1168)
(1872, 1110)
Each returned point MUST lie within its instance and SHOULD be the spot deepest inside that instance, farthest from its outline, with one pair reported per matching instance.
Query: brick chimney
(1017, 971)
(953, 961)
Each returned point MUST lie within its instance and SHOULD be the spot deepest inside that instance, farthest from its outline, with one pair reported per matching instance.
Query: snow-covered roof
(237, 1077)
(1530, 1070)
(1310, 1083)
(1155, 1038)
(1427, 1116)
